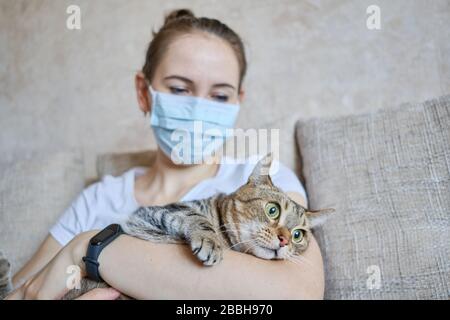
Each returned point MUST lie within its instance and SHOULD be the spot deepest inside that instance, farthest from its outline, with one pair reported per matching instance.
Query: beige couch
(387, 173)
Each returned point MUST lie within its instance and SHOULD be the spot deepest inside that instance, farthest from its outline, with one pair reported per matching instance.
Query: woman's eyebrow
(224, 85)
(179, 78)
(192, 82)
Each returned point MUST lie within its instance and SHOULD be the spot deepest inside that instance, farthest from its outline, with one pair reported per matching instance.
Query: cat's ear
(318, 217)
(260, 174)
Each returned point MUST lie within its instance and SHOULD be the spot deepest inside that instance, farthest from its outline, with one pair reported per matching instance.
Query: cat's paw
(207, 248)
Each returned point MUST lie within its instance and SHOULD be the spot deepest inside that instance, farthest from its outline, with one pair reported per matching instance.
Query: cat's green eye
(297, 235)
(272, 210)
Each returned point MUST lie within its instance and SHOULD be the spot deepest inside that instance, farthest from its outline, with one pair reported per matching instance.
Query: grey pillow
(387, 174)
(33, 194)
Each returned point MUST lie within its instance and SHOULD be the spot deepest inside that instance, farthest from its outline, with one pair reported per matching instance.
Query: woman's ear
(241, 95)
(142, 93)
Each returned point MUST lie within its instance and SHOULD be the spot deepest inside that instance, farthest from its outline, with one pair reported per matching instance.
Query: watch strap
(93, 252)
(91, 263)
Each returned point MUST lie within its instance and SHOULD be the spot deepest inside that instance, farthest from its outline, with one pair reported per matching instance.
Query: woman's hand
(51, 282)
(100, 294)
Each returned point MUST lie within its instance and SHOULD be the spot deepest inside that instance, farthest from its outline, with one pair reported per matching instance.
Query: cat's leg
(196, 228)
(5, 276)
(204, 240)
(154, 224)
(177, 223)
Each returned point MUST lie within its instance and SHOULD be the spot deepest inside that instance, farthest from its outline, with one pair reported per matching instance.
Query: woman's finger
(100, 294)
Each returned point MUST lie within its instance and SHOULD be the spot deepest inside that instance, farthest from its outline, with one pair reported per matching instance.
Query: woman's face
(200, 65)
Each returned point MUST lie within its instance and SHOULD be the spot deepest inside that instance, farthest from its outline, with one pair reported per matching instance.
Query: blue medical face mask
(190, 129)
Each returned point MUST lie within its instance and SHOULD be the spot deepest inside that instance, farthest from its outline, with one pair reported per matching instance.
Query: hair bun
(177, 14)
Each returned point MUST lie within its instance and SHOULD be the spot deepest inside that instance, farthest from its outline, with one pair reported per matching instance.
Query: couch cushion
(33, 193)
(387, 174)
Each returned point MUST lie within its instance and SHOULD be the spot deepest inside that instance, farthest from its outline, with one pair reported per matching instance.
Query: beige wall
(64, 89)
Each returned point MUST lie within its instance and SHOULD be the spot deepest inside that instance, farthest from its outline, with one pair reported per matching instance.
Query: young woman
(199, 58)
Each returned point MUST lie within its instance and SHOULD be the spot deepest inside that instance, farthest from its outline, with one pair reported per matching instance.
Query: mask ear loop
(152, 94)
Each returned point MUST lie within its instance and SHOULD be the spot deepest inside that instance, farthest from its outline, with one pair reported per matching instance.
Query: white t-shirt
(112, 199)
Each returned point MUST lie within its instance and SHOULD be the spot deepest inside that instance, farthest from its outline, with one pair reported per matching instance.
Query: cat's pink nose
(283, 241)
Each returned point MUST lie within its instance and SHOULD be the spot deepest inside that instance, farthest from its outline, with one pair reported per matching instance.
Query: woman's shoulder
(109, 181)
(129, 174)
(116, 190)
(106, 201)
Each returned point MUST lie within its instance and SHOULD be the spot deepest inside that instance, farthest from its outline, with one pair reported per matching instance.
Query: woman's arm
(48, 249)
(52, 280)
(146, 270)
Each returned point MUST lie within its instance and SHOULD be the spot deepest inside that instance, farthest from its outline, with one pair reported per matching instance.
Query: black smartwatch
(96, 245)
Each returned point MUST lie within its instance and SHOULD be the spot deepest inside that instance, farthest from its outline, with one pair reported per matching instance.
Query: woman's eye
(297, 235)
(221, 98)
(176, 90)
(272, 210)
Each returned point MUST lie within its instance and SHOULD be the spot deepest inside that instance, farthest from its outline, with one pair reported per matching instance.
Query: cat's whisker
(294, 261)
(297, 257)
(293, 258)
(307, 261)
(301, 260)
(235, 231)
(228, 223)
(235, 235)
(246, 241)
(233, 224)
(251, 247)
(298, 262)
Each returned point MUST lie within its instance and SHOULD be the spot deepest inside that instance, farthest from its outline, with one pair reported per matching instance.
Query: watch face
(104, 235)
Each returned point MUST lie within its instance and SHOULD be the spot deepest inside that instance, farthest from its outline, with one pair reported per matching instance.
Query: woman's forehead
(200, 58)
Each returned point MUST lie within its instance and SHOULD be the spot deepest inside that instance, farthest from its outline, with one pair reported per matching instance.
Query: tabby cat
(258, 218)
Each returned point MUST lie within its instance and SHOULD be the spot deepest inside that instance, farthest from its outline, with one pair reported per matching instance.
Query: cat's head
(265, 222)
